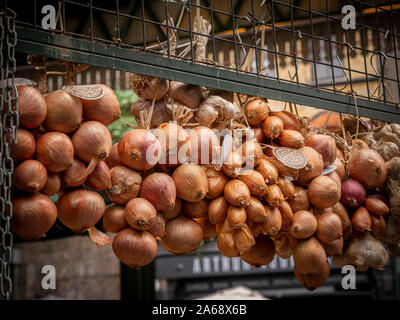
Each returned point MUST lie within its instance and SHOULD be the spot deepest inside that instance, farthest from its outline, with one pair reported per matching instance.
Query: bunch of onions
(33, 215)
(125, 185)
(254, 181)
(325, 145)
(184, 235)
(160, 190)
(256, 111)
(304, 224)
(209, 230)
(361, 220)
(236, 217)
(140, 214)
(75, 175)
(135, 248)
(300, 200)
(313, 168)
(158, 229)
(55, 150)
(189, 95)
(217, 210)
(216, 183)
(30, 176)
(251, 153)
(148, 87)
(237, 193)
(329, 228)
(205, 147)
(171, 213)
(195, 209)
(272, 127)
(261, 253)
(376, 206)
(368, 167)
(139, 149)
(100, 178)
(191, 182)
(291, 139)
(92, 143)
(25, 147)
(225, 242)
(32, 108)
(273, 222)
(256, 211)
(232, 164)
(309, 256)
(158, 117)
(353, 193)
(112, 159)
(114, 219)
(274, 196)
(269, 172)
(105, 109)
(53, 184)
(323, 192)
(64, 112)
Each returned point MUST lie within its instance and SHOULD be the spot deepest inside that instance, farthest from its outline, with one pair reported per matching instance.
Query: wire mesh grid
(297, 41)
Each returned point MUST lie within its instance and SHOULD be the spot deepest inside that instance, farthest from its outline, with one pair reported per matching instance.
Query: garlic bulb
(215, 109)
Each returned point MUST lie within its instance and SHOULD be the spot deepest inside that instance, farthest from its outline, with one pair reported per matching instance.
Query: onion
(205, 147)
(209, 231)
(314, 280)
(32, 108)
(100, 178)
(114, 219)
(287, 187)
(359, 144)
(261, 253)
(287, 215)
(325, 145)
(377, 195)
(148, 87)
(105, 109)
(217, 210)
(125, 185)
(340, 170)
(259, 135)
(25, 147)
(255, 210)
(273, 222)
(290, 121)
(80, 209)
(140, 214)
(291, 139)
(300, 200)
(171, 213)
(184, 235)
(274, 196)
(134, 248)
(329, 228)
(336, 178)
(195, 209)
(75, 175)
(256, 111)
(139, 149)
(53, 184)
(341, 211)
(353, 193)
(175, 143)
(112, 160)
(319, 212)
(268, 171)
(334, 248)
(158, 229)
(55, 151)
(159, 116)
(361, 220)
(378, 225)
(309, 256)
(226, 245)
(243, 239)
(191, 182)
(160, 190)
(216, 183)
(189, 95)
(252, 153)
(232, 164)
(30, 176)
(304, 224)
(368, 167)
(313, 168)
(33, 215)
(323, 192)
(376, 206)
(64, 112)
(282, 246)
(254, 181)
(236, 217)
(283, 170)
(237, 193)
(272, 127)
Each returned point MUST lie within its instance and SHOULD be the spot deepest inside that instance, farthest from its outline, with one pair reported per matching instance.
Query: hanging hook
(342, 66)
(377, 73)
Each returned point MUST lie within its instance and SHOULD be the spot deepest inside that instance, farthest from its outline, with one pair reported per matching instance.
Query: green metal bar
(108, 56)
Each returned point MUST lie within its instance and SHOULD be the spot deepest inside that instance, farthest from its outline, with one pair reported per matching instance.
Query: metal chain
(8, 134)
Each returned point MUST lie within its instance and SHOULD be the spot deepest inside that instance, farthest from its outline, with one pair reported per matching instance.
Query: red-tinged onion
(377, 195)
(100, 178)
(160, 190)
(261, 253)
(323, 192)
(159, 116)
(216, 183)
(135, 248)
(237, 193)
(191, 182)
(205, 147)
(53, 184)
(256, 111)
(376, 206)
(105, 109)
(361, 220)
(313, 168)
(112, 160)
(147, 87)
(140, 214)
(30, 176)
(291, 139)
(139, 149)
(33, 215)
(32, 108)
(209, 230)
(195, 209)
(353, 193)
(325, 145)
(329, 227)
(187, 94)
(114, 219)
(304, 224)
(268, 171)
(272, 127)
(75, 175)
(64, 112)
(173, 212)
(158, 229)
(309, 256)
(80, 210)
(55, 151)
(368, 167)
(125, 185)
(300, 200)
(217, 210)
(184, 235)
(25, 147)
